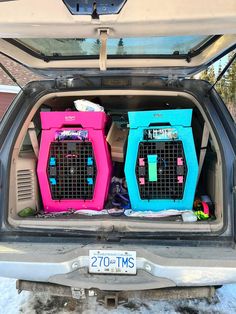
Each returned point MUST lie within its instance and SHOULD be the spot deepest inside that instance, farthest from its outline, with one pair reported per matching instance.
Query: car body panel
(31, 18)
(157, 266)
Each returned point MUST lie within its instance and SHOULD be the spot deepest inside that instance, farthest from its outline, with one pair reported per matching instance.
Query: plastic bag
(86, 105)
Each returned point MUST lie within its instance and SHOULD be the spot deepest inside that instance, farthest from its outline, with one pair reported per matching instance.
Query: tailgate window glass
(59, 48)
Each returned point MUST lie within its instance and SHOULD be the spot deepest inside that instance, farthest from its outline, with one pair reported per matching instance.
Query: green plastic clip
(152, 168)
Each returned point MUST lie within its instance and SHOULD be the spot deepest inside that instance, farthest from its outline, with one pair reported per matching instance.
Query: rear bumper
(157, 266)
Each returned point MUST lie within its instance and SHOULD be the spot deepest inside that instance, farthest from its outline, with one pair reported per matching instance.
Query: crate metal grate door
(167, 185)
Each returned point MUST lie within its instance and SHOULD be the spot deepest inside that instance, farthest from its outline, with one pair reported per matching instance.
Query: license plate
(112, 262)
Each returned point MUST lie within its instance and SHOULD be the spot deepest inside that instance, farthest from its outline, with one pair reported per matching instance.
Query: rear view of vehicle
(118, 171)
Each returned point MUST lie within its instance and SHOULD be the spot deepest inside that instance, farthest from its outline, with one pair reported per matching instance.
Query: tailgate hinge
(103, 34)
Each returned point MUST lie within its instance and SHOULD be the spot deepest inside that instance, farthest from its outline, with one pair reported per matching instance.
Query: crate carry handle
(174, 117)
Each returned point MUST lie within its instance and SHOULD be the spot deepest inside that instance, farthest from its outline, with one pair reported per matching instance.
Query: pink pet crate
(74, 165)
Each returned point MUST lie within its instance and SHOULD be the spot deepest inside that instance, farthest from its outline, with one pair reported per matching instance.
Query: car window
(226, 87)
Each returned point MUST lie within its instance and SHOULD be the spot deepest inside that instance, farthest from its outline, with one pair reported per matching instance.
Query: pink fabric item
(94, 122)
(180, 179)
(205, 208)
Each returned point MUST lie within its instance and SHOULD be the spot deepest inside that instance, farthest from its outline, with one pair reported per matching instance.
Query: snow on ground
(10, 300)
(26, 303)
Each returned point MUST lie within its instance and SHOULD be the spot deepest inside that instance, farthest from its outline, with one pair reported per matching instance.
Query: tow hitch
(111, 299)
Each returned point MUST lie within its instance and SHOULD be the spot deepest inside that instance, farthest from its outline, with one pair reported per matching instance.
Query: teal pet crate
(161, 166)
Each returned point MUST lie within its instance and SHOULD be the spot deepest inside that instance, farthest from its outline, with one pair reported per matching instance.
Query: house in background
(7, 94)
(8, 89)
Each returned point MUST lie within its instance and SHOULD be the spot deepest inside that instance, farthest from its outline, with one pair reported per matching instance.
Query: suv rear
(124, 75)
